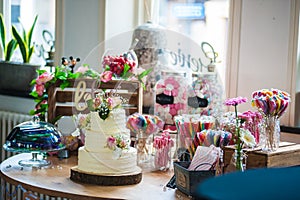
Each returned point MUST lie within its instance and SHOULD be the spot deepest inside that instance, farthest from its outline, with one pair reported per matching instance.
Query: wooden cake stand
(106, 180)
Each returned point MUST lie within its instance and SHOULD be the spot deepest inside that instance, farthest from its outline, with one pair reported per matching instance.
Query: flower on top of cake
(104, 103)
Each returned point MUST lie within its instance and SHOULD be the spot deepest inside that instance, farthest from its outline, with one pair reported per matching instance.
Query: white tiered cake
(96, 157)
(99, 164)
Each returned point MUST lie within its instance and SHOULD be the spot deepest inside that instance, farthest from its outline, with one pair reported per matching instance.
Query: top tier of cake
(115, 123)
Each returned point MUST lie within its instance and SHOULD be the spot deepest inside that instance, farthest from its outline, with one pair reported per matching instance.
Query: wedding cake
(106, 157)
(106, 150)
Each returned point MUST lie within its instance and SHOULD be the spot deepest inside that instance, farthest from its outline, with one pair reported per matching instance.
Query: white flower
(247, 138)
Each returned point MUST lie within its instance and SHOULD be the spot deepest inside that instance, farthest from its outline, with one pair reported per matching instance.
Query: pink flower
(235, 101)
(111, 142)
(106, 76)
(82, 69)
(40, 89)
(97, 102)
(44, 78)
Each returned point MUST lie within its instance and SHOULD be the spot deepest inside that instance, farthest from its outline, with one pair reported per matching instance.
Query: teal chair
(256, 184)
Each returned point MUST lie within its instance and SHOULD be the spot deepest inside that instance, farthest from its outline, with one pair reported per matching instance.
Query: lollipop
(273, 102)
(209, 137)
(148, 124)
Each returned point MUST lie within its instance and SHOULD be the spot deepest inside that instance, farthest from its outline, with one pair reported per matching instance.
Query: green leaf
(126, 68)
(34, 94)
(32, 112)
(31, 50)
(64, 84)
(11, 46)
(145, 73)
(30, 32)
(41, 71)
(2, 33)
(33, 82)
(90, 104)
(21, 43)
(107, 68)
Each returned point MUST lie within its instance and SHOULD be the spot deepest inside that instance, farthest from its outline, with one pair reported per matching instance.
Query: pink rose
(106, 76)
(111, 142)
(40, 89)
(44, 78)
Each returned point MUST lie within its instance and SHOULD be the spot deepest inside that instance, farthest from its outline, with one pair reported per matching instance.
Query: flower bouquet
(242, 137)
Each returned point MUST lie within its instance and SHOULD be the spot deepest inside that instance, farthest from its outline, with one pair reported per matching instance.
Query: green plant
(10, 47)
(25, 42)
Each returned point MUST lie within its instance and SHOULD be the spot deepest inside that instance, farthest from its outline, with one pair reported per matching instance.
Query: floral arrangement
(117, 142)
(241, 136)
(125, 67)
(252, 121)
(103, 103)
(114, 67)
(45, 79)
(82, 121)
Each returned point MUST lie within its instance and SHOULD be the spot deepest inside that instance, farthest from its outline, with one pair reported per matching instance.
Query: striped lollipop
(273, 102)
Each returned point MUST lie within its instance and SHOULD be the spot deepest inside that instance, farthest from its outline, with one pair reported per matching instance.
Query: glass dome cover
(34, 137)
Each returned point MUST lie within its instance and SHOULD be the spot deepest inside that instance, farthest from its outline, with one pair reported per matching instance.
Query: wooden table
(54, 180)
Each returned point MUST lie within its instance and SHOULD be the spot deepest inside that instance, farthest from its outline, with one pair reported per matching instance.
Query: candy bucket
(187, 181)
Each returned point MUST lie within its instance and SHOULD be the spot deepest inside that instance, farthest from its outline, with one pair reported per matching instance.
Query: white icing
(106, 164)
(95, 157)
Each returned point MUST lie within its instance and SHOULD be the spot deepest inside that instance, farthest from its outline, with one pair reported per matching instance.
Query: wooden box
(288, 154)
(71, 100)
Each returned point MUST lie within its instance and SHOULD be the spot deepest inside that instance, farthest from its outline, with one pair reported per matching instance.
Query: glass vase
(270, 135)
(144, 148)
(239, 160)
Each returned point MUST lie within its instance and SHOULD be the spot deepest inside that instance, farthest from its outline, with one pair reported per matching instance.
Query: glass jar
(163, 144)
(205, 96)
(171, 97)
(269, 138)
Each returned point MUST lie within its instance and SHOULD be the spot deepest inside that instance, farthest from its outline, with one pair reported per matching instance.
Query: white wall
(80, 28)
(263, 52)
(83, 26)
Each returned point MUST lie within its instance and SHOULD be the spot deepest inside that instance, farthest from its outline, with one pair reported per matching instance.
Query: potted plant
(15, 77)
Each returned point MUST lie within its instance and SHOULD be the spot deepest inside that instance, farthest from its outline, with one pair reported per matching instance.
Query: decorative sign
(189, 11)
(83, 93)
(163, 99)
(197, 102)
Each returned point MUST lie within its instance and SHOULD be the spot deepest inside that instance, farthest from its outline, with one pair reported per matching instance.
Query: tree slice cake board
(106, 180)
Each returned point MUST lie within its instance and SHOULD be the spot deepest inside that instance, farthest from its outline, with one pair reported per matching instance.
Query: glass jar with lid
(171, 97)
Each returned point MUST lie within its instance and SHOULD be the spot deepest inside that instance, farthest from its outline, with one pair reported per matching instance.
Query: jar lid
(173, 73)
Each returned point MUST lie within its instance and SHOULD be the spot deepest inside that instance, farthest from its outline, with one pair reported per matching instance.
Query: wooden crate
(287, 155)
(69, 101)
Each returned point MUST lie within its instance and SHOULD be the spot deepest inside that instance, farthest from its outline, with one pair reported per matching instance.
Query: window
(22, 13)
(201, 21)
